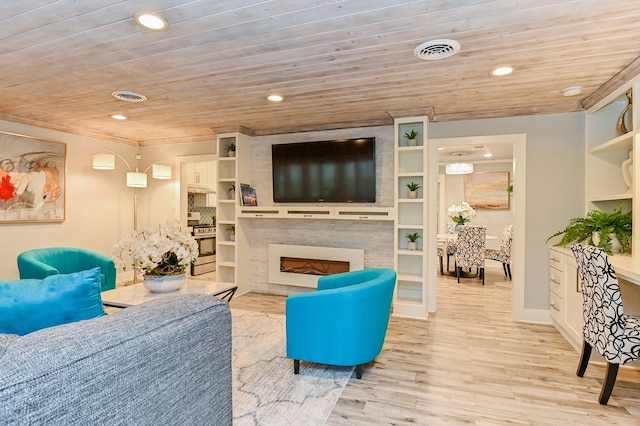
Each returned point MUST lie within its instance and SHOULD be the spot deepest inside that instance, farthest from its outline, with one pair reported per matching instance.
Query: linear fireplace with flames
(302, 265)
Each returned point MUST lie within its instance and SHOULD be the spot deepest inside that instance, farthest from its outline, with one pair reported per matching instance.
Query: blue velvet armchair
(344, 322)
(43, 262)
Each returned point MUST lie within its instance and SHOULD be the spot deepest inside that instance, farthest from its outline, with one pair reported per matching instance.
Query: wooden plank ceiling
(337, 63)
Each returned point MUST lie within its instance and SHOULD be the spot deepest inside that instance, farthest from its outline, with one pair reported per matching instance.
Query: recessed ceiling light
(118, 117)
(572, 91)
(502, 71)
(275, 98)
(488, 155)
(151, 21)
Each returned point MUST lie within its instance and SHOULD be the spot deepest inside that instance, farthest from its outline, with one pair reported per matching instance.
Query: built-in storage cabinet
(611, 157)
(410, 160)
(565, 297)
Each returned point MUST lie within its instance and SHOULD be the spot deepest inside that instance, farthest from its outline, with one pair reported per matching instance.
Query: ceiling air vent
(126, 96)
(436, 50)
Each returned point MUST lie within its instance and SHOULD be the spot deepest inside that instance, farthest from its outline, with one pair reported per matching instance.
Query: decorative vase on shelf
(164, 283)
(412, 142)
(412, 245)
(457, 227)
(621, 125)
(412, 195)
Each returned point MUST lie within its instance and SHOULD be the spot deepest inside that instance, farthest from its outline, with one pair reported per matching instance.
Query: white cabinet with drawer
(565, 297)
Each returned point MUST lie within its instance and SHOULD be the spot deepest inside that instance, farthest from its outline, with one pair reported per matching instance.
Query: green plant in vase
(411, 137)
(413, 240)
(413, 187)
(231, 149)
(599, 229)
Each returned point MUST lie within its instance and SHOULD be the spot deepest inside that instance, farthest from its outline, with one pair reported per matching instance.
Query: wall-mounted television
(336, 171)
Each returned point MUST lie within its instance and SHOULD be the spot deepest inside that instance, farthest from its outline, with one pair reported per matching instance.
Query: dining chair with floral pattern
(470, 249)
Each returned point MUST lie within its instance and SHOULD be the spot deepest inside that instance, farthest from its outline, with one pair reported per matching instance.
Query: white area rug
(265, 390)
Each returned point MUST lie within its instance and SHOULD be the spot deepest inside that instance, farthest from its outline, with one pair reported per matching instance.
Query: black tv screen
(338, 171)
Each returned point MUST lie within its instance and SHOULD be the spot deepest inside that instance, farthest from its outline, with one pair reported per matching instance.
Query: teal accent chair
(344, 322)
(43, 262)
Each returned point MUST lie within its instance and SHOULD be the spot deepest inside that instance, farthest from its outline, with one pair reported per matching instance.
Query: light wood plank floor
(470, 364)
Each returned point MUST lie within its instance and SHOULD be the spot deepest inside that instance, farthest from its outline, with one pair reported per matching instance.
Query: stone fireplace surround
(355, 257)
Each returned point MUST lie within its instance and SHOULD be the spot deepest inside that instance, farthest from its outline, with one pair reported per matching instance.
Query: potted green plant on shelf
(413, 240)
(232, 232)
(413, 188)
(411, 137)
(610, 231)
(231, 149)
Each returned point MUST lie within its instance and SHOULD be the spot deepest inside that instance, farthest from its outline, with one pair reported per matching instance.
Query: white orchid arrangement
(461, 213)
(165, 251)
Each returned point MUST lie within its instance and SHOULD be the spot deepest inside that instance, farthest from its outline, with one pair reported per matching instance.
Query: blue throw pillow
(30, 304)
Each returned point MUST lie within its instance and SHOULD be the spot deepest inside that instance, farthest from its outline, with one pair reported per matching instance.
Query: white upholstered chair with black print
(470, 249)
(503, 254)
(606, 328)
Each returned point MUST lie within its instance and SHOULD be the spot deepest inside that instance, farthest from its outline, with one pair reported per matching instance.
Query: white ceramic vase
(412, 142)
(413, 195)
(615, 244)
(412, 245)
(231, 153)
(164, 283)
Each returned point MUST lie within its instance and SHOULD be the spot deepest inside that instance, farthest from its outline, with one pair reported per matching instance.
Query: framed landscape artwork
(487, 190)
(32, 179)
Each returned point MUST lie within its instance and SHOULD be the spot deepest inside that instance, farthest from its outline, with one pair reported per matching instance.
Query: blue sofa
(43, 262)
(344, 322)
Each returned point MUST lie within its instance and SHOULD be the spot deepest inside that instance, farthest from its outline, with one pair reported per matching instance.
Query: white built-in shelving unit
(607, 151)
(410, 162)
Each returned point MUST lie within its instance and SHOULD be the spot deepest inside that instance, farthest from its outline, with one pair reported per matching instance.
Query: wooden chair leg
(609, 381)
(296, 366)
(359, 371)
(482, 275)
(508, 269)
(584, 358)
(448, 258)
(504, 267)
(441, 267)
(458, 271)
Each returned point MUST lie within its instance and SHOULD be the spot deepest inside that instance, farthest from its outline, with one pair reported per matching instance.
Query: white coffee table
(136, 294)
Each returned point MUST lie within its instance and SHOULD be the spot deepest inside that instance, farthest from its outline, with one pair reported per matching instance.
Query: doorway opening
(514, 145)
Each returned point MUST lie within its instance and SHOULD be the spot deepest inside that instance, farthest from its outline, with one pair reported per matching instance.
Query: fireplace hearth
(301, 266)
(297, 265)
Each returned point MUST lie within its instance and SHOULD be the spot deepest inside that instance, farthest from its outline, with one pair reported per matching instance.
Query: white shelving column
(410, 299)
(232, 171)
(226, 212)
